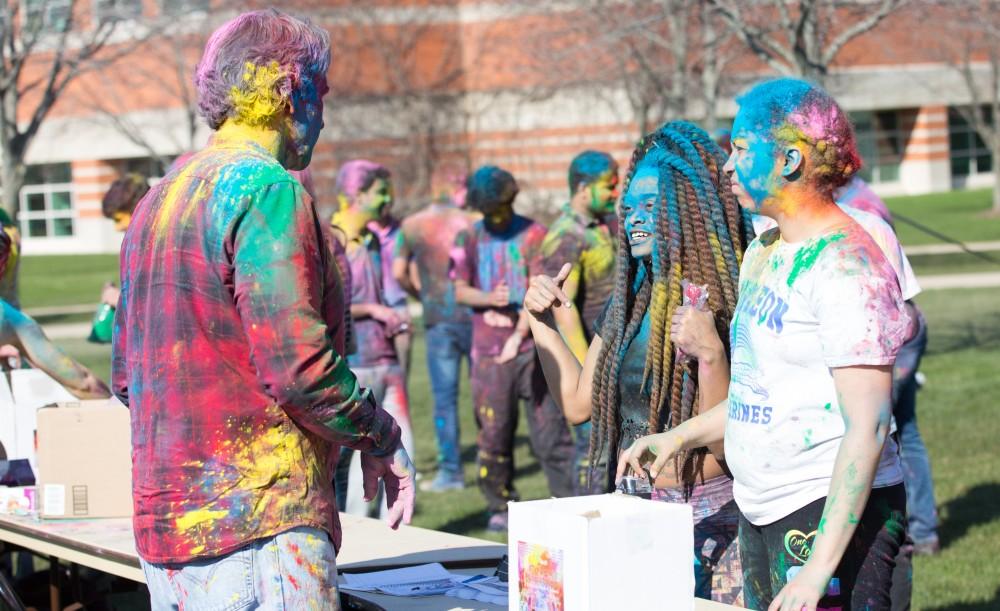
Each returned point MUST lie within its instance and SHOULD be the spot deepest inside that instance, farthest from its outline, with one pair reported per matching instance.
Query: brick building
(419, 84)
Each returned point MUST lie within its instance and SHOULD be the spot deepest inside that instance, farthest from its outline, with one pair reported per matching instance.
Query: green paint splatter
(828, 406)
(806, 257)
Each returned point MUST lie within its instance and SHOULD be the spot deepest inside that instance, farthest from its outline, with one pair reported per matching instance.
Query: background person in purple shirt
(386, 228)
(490, 265)
(362, 192)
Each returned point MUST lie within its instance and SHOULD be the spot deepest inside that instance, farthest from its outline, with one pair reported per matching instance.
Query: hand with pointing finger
(545, 293)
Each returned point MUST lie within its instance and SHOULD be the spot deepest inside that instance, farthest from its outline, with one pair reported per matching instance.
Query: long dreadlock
(700, 236)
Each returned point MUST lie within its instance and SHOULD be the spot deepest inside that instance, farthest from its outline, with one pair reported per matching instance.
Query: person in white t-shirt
(819, 320)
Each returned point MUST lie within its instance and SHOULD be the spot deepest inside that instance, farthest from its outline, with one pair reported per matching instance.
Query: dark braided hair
(700, 235)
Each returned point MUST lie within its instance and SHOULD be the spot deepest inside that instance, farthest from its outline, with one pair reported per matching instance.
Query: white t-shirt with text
(804, 308)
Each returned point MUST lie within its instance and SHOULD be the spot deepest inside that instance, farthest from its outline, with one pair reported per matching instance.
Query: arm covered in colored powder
(22, 332)
(570, 382)
(569, 320)
(704, 430)
(277, 287)
(864, 396)
(402, 265)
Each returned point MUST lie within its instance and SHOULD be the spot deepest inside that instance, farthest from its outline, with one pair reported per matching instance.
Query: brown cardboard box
(85, 460)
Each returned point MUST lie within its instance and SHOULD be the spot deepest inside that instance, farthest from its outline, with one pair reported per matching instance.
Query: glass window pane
(37, 228)
(983, 162)
(959, 166)
(62, 227)
(58, 172)
(959, 141)
(35, 202)
(33, 175)
(61, 200)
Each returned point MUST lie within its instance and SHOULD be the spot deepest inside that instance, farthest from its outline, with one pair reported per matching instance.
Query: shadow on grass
(977, 506)
(974, 332)
(988, 605)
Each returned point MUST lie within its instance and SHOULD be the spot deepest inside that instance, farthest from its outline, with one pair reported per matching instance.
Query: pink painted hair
(357, 176)
(300, 49)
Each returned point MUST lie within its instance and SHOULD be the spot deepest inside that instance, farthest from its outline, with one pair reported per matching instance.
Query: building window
(183, 7)
(117, 10)
(969, 154)
(47, 202)
(149, 167)
(48, 15)
(880, 143)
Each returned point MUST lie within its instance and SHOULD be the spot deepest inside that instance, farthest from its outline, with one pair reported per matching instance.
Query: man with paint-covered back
(228, 346)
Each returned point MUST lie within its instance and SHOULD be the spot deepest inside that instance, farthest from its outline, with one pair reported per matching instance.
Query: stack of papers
(428, 580)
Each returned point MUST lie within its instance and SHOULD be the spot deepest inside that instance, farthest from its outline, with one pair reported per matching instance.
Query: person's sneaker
(497, 523)
(929, 547)
(443, 482)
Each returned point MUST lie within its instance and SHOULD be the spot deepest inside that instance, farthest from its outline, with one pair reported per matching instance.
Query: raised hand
(693, 331)
(500, 295)
(545, 292)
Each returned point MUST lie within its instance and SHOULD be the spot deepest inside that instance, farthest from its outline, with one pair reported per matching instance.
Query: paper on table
(422, 580)
(486, 590)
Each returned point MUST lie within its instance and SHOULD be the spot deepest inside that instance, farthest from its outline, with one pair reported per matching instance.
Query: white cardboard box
(593, 553)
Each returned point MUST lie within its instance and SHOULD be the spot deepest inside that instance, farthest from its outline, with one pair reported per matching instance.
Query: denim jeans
(447, 344)
(916, 465)
(296, 569)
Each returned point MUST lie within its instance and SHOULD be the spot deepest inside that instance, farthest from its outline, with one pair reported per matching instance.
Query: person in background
(859, 200)
(8, 279)
(22, 338)
(581, 237)
(386, 229)
(362, 190)
(228, 349)
(490, 266)
(425, 241)
(119, 205)
(816, 330)
(656, 360)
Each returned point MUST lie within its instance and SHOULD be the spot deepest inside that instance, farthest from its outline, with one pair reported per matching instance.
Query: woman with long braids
(680, 222)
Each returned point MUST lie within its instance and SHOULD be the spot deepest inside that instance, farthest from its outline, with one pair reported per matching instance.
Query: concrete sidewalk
(947, 249)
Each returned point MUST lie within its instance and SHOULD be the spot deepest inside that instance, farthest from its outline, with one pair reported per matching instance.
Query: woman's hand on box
(653, 450)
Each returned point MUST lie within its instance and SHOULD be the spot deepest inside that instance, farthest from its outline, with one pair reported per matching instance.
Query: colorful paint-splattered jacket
(588, 245)
(225, 351)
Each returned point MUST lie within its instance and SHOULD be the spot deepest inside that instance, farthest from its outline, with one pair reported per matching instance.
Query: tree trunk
(996, 169)
(12, 175)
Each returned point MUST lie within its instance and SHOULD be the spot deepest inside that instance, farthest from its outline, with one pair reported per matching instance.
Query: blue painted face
(306, 121)
(754, 166)
(639, 206)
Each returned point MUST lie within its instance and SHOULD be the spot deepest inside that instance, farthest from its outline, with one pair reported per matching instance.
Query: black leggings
(862, 582)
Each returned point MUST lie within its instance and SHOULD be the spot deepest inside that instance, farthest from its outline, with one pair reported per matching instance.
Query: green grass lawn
(958, 419)
(58, 280)
(958, 214)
